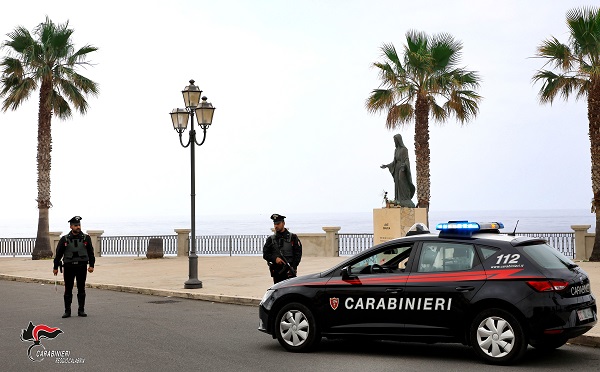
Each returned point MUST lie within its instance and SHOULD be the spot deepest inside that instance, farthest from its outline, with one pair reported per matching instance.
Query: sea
(258, 224)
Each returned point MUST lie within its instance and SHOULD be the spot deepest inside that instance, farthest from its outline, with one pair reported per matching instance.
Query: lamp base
(192, 284)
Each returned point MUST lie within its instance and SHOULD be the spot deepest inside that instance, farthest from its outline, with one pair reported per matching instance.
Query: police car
(469, 283)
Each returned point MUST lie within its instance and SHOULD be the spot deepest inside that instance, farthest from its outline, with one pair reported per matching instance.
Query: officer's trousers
(72, 272)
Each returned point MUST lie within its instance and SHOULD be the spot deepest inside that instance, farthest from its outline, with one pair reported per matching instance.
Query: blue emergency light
(467, 228)
(458, 225)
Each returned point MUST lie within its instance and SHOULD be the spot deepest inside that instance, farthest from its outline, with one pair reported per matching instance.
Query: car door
(363, 297)
(444, 278)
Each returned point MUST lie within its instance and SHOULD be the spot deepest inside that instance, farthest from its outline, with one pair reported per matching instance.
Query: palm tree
(49, 60)
(578, 65)
(409, 89)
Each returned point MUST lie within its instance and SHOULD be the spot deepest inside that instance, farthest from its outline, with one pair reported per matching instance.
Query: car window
(547, 257)
(487, 252)
(442, 256)
(387, 261)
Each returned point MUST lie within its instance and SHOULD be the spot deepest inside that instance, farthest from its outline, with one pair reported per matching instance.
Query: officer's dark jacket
(70, 242)
(282, 239)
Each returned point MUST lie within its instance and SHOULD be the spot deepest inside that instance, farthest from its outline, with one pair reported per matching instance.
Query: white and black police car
(469, 284)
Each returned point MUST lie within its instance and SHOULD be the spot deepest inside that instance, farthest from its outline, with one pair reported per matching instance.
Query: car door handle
(393, 290)
(465, 289)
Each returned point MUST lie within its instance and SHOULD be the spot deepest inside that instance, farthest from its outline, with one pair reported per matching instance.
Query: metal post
(193, 281)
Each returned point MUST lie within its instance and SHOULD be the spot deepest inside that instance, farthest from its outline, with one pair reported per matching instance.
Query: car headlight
(266, 297)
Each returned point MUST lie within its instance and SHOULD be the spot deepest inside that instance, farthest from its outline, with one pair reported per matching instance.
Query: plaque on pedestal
(394, 222)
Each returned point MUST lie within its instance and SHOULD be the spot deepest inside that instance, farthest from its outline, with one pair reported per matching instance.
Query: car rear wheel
(296, 328)
(497, 337)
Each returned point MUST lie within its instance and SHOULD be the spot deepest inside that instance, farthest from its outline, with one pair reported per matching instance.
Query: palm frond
(399, 115)
(60, 106)
(79, 57)
(12, 66)
(584, 26)
(16, 91)
(445, 51)
(379, 100)
(558, 54)
(439, 113)
(554, 85)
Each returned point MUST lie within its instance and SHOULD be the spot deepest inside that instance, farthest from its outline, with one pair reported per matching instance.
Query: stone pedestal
(95, 237)
(332, 245)
(583, 250)
(54, 238)
(183, 242)
(394, 222)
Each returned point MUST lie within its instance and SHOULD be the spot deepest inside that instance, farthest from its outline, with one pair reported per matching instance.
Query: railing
(16, 246)
(563, 242)
(205, 244)
(349, 244)
(230, 244)
(135, 245)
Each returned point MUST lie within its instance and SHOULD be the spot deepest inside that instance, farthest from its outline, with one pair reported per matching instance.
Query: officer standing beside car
(282, 251)
(76, 251)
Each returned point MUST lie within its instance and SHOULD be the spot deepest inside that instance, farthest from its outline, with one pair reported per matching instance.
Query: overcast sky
(290, 133)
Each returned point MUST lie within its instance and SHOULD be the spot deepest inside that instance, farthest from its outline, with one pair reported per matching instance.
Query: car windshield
(547, 257)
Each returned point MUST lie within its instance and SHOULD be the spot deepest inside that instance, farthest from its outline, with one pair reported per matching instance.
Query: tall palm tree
(49, 60)
(578, 66)
(411, 87)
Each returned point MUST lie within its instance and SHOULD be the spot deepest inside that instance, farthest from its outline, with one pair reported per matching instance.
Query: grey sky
(289, 80)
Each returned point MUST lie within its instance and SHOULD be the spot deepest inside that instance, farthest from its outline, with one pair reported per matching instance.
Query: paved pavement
(238, 280)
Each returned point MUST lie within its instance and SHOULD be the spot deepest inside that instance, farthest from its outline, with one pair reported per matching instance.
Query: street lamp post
(204, 113)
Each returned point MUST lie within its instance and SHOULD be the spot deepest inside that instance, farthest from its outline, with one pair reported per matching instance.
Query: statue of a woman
(400, 170)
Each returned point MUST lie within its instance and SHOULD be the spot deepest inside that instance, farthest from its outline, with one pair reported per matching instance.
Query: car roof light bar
(467, 228)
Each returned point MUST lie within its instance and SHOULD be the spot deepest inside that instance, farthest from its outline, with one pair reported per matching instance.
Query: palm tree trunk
(422, 152)
(594, 120)
(42, 247)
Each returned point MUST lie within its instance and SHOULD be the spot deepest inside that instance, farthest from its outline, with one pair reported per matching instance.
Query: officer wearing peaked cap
(282, 251)
(76, 251)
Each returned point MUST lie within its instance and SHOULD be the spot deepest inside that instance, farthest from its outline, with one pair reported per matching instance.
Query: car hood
(296, 280)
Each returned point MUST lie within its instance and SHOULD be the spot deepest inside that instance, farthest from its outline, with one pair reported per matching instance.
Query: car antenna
(515, 230)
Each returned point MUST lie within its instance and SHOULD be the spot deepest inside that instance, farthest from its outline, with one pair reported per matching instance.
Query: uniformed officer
(76, 251)
(282, 251)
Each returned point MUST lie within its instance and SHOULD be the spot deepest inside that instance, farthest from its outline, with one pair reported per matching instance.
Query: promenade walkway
(238, 280)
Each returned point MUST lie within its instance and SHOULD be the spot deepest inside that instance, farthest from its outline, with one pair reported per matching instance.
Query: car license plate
(585, 314)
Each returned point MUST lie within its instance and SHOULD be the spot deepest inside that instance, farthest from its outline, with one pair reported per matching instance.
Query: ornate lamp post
(204, 113)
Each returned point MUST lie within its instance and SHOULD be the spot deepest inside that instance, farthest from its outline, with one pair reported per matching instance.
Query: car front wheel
(497, 337)
(296, 328)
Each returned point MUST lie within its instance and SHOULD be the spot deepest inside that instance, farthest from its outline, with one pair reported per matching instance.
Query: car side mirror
(346, 272)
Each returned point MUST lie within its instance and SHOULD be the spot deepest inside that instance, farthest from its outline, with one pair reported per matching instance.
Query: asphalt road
(131, 332)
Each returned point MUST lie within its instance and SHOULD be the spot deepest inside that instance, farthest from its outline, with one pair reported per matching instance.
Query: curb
(235, 300)
(585, 340)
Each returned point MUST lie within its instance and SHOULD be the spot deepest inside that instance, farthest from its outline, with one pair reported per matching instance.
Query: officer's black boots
(81, 301)
(80, 310)
(68, 299)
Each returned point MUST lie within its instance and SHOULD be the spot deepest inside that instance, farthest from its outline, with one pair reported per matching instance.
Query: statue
(400, 170)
